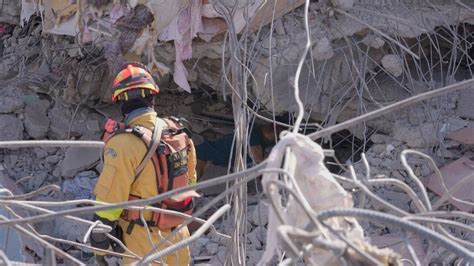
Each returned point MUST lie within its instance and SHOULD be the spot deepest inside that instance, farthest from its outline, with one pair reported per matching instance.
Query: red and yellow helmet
(133, 81)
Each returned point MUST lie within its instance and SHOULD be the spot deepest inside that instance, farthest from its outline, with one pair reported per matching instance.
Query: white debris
(312, 174)
(373, 41)
(393, 64)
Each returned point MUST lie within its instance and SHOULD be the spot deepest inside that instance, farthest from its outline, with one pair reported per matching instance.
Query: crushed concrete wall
(56, 87)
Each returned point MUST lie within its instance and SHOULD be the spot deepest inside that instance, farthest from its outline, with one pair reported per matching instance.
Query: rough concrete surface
(79, 159)
(36, 119)
(11, 128)
(363, 56)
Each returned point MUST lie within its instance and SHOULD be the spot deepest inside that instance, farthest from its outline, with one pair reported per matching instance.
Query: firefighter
(134, 90)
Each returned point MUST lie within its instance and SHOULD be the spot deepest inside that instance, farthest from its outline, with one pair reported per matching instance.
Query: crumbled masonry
(394, 189)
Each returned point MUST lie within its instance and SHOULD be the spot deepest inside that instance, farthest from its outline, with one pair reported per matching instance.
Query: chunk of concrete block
(79, 159)
(10, 101)
(36, 119)
(11, 128)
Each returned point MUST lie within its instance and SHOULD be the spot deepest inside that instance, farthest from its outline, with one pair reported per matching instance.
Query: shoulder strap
(155, 141)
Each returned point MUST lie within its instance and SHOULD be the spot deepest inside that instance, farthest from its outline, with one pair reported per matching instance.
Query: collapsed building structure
(226, 65)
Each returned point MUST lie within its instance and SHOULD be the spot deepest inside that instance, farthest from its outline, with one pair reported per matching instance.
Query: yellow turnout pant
(138, 242)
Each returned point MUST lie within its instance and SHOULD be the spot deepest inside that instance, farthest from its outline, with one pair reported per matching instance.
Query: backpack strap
(155, 141)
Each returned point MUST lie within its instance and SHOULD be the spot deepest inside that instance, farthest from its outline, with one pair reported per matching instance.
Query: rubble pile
(213, 250)
(55, 84)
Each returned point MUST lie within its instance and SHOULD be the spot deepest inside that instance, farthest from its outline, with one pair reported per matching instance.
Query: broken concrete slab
(61, 117)
(79, 159)
(10, 101)
(452, 174)
(36, 119)
(11, 128)
(424, 135)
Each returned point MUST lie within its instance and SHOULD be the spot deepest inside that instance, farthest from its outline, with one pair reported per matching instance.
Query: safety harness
(168, 146)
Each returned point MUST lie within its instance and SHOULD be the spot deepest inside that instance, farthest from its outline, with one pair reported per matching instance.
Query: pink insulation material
(182, 30)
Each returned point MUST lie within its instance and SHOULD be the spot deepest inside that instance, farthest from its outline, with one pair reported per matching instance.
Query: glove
(118, 233)
(100, 240)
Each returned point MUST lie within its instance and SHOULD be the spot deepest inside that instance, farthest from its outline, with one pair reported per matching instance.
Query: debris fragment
(81, 186)
(11, 128)
(393, 64)
(79, 159)
(323, 49)
(453, 174)
(464, 136)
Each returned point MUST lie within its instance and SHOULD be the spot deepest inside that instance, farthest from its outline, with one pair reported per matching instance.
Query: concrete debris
(71, 78)
(342, 4)
(464, 104)
(11, 128)
(323, 49)
(373, 41)
(81, 186)
(79, 159)
(36, 119)
(260, 214)
(393, 64)
(70, 231)
(424, 135)
(64, 121)
(211, 248)
(40, 153)
(10, 101)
